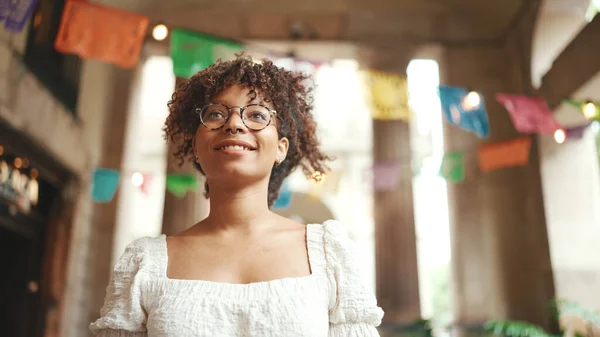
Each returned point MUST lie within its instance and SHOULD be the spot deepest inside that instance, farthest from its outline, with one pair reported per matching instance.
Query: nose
(235, 124)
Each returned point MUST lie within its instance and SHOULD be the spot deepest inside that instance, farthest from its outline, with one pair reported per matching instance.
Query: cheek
(270, 142)
(202, 139)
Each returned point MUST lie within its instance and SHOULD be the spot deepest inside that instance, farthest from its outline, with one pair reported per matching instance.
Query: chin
(237, 171)
(241, 171)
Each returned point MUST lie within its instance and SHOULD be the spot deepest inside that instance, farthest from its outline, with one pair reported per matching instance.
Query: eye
(257, 115)
(216, 114)
(213, 114)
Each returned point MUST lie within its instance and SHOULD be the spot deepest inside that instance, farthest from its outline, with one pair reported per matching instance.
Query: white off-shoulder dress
(333, 301)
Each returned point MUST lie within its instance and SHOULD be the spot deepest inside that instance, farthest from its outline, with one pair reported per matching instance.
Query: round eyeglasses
(254, 116)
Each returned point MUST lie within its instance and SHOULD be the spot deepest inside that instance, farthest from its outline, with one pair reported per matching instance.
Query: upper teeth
(234, 147)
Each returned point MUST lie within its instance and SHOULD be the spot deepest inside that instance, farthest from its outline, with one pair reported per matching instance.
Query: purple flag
(19, 13)
(4, 9)
(386, 175)
(576, 132)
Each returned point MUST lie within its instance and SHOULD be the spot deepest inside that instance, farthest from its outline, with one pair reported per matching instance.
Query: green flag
(192, 52)
(180, 184)
(453, 167)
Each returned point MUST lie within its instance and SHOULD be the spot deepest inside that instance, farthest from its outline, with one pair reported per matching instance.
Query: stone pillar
(105, 214)
(397, 282)
(179, 214)
(500, 253)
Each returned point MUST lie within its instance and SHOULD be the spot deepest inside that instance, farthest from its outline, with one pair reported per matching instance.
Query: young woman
(244, 270)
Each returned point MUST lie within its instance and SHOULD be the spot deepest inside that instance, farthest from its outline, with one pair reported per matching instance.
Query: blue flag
(472, 118)
(285, 197)
(104, 184)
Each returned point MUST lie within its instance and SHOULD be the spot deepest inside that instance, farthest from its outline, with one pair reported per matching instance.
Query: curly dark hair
(284, 89)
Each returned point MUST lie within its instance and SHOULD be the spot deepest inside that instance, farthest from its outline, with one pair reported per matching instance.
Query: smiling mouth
(235, 148)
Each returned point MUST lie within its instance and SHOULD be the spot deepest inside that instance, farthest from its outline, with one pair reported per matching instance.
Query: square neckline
(309, 240)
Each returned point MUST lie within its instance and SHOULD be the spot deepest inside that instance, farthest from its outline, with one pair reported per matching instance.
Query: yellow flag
(388, 95)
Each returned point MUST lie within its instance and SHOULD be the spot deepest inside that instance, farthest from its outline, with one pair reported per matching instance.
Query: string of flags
(461, 107)
(105, 183)
(84, 31)
(95, 31)
(115, 36)
(385, 175)
(465, 108)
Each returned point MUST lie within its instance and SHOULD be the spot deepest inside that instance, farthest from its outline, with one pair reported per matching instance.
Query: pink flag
(145, 183)
(141, 180)
(529, 114)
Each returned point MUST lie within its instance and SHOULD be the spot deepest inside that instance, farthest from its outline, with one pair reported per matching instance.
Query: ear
(194, 145)
(282, 149)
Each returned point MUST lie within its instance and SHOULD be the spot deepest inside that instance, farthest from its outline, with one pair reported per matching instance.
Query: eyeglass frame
(199, 112)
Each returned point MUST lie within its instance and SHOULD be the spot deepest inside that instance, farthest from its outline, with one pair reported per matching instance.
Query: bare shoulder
(289, 225)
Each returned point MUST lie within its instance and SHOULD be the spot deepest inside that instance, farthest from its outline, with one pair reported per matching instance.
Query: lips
(234, 145)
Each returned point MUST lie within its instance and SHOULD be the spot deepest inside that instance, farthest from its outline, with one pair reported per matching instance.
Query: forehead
(238, 95)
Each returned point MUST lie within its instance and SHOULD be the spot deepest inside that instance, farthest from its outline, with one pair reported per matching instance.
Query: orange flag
(98, 32)
(504, 154)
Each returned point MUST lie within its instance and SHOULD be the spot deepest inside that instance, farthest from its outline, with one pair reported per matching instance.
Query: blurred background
(466, 135)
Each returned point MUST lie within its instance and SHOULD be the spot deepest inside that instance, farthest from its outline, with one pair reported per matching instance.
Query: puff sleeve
(123, 314)
(353, 309)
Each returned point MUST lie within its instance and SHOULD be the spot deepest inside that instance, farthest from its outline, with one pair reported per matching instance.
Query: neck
(239, 207)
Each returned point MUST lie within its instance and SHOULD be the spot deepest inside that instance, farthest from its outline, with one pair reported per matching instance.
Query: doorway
(31, 183)
(19, 287)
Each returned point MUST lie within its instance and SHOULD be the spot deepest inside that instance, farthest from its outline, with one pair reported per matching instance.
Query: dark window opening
(58, 72)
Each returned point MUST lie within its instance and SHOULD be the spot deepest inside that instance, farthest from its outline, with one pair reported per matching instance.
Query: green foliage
(525, 329)
(516, 329)
(570, 308)
(423, 327)
(418, 328)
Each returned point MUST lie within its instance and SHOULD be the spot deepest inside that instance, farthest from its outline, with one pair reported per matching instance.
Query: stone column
(105, 214)
(179, 214)
(397, 281)
(500, 253)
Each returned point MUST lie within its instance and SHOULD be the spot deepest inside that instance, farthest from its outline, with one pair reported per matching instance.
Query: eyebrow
(252, 101)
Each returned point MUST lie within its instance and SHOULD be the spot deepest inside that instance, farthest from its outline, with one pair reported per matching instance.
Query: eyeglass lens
(255, 117)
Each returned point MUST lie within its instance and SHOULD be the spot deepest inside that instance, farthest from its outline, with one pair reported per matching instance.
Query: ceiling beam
(575, 66)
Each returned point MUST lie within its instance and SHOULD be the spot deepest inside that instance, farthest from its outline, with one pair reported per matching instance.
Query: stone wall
(75, 142)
